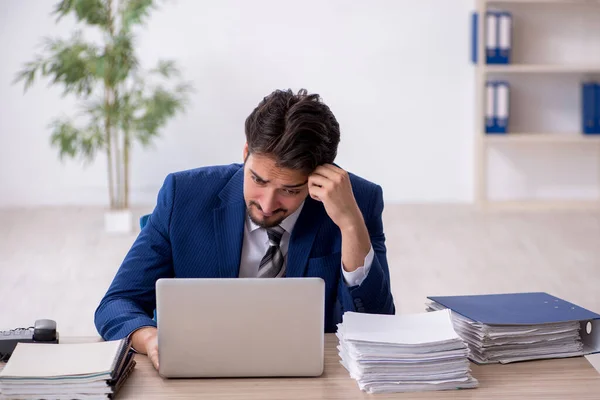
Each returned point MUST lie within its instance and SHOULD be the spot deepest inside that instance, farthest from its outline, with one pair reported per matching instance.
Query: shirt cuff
(356, 277)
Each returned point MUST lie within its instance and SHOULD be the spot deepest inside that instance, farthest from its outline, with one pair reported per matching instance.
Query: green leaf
(64, 136)
(92, 12)
(27, 74)
(66, 62)
(63, 8)
(135, 12)
(166, 68)
(73, 142)
(122, 58)
(157, 109)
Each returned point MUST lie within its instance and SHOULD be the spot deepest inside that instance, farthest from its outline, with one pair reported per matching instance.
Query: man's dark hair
(298, 130)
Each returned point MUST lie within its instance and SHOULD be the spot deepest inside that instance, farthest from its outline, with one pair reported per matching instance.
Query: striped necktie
(271, 265)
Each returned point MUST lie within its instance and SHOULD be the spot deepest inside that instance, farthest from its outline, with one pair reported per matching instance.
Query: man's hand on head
(331, 186)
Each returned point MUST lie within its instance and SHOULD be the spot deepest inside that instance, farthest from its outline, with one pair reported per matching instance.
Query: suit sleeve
(130, 300)
(374, 294)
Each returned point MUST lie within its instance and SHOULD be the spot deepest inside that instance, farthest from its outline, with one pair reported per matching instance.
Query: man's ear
(246, 152)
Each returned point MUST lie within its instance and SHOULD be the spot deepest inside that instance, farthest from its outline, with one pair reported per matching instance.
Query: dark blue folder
(515, 308)
(589, 106)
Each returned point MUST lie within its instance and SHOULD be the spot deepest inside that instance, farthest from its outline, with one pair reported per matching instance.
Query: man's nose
(269, 203)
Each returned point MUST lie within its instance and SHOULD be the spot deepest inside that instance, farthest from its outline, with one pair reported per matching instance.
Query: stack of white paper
(66, 371)
(404, 353)
(510, 343)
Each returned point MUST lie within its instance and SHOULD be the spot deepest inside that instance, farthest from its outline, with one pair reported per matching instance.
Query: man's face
(271, 193)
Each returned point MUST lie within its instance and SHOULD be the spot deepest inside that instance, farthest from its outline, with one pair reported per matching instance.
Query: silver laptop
(240, 327)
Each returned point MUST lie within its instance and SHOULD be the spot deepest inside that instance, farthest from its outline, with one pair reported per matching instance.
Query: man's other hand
(145, 341)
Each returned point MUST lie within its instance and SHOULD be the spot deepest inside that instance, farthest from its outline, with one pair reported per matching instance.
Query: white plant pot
(118, 221)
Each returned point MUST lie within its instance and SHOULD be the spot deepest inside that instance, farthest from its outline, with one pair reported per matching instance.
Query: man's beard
(263, 223)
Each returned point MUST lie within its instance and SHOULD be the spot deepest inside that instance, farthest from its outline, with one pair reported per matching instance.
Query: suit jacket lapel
(228, 222)
(303, 236)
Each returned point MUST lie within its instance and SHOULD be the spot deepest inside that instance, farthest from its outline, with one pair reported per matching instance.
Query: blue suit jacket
(196, 231)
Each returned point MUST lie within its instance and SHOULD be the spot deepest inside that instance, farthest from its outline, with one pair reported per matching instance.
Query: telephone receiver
(43, 331)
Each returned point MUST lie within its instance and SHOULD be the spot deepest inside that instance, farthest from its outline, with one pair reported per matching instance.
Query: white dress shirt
(256, 243)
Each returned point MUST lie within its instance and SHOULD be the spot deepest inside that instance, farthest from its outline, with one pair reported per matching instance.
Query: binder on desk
(589, 107)
(521, 326)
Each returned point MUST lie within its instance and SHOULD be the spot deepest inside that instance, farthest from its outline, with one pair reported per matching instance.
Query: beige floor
(57, 263)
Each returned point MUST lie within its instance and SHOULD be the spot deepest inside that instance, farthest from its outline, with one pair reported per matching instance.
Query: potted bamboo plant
(120, 102)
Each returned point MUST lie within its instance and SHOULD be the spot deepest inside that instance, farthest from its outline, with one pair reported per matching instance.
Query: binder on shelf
(474, 31)
(490, 116)
(597, 107)
(491, 38)
(504, 37)
(589, 102)
(497, 107)
(502, 106)
(515, 327)
(492, 52)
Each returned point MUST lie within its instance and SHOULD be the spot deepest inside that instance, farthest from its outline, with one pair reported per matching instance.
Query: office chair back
(143, 222)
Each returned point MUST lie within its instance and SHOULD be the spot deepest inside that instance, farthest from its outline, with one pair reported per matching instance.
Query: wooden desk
(572, 378)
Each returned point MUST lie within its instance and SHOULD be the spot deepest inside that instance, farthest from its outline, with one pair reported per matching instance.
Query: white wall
(395, 72)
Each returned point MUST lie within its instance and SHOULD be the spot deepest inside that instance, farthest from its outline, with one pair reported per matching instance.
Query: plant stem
(119, 200)
(107, 105)
(126, 145)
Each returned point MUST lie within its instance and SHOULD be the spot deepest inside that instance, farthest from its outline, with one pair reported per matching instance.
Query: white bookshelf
(484, 142)
(540, 137)
(543, 2)
(541, 69)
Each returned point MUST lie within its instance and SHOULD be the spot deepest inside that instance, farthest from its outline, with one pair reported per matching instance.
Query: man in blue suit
(287, 211)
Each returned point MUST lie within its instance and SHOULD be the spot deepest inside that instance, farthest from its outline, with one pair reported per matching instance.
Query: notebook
(81, 370)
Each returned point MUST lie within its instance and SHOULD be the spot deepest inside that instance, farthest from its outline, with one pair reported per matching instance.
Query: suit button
(361, 309)
(357, 302)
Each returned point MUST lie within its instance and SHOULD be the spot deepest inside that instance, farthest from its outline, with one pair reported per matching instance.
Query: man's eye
(258, 181)
(290, 192)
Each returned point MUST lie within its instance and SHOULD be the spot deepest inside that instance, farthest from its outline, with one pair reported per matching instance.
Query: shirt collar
(287, 224)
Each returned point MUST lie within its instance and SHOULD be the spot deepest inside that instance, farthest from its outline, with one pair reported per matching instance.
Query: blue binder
(597, 107)
(490, 37)
(474, 28)
(589, 107)
(491, 125)
(497, 103)
(525, 309)
(504, 37)
(502, 106)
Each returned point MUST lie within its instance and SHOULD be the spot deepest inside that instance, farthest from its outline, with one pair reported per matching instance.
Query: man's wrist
(141, 337)
(353, 225)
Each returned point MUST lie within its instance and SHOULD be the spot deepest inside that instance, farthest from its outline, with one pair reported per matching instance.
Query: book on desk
(57, 371)
(511, 327)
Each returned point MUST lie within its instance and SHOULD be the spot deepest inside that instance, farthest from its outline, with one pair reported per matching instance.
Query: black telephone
(43, 331)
